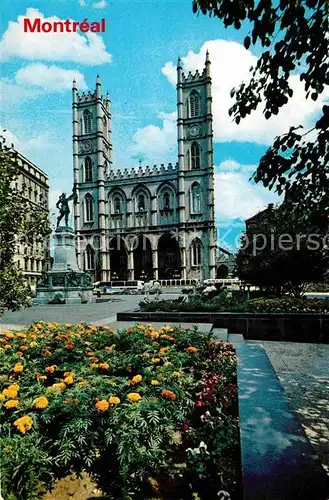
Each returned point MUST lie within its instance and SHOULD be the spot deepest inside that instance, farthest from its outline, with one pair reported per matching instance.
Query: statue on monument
(63, 206)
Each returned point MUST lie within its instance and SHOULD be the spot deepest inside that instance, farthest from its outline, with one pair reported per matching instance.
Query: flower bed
(146, 413)
(225, 303)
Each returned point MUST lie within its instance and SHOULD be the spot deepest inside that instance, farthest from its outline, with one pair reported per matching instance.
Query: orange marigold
(50, 369)
(102, 405)
(24, 348)
(108, 348)
(69, 380)
(114, 400)
(41, 402)
(136, 379)
(18, 368)
(69, 346)
(103, 366)
(46, 352)
(21, 335)
(164, 349)
(12, 403)
(59, 387)
(9, 335)
(23, 424)
(191, 350)
(19, 354)
(41, 377)
(168, 394)
(134, 396)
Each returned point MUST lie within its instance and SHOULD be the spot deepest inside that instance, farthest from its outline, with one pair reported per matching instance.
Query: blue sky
(135, 59)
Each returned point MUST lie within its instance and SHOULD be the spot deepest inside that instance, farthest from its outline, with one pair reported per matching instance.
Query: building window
(105, 127)
(195, 156)
(117, 205)
(90, 258)
(105, 169)
(88, 169)
(196, 198)
(194, 102)
(196, 253)
(166, 201)
(141, 203)
(89, 208)
(87, 121)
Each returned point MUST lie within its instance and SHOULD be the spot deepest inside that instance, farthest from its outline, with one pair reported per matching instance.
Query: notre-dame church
(154, 222)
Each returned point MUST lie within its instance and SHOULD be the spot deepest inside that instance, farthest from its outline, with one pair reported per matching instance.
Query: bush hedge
(225, 303)
(146, 413)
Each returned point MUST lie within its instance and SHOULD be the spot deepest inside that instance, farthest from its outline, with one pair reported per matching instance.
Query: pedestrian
(156, 288)
(147, 289)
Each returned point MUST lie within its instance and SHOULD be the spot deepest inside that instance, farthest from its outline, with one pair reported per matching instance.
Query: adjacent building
(32, 257)
(153, 222)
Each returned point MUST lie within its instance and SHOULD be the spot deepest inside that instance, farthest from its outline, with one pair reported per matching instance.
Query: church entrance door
(118, 259)
(143, 258)
(169, 257)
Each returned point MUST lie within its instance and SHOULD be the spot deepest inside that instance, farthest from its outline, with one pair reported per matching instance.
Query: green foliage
(226, 303)
(19, 222)
(281, 251)
(131, 448)
(294, 40)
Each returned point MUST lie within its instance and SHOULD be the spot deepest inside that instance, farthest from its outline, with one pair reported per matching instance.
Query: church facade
(147, 223)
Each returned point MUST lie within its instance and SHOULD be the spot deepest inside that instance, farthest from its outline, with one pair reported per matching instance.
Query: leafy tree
(280, 252)
(294, 36)
(20, 223)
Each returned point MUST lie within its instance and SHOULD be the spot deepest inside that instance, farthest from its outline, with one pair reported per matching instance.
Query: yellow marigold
(24, 423)
(59, 387)
(155, 382)
(1, 396)
(67, 325)
(168, 394)
(9, 335)
(191, 350)
(146, 355)
(93, 359)
(24, 348)
(69, 374)
(12, 403)
(93, 329)
(167, 328)
(41, 377)
(103, 366)
(156, 360)
(38, 325)
(134, 396)
(136, 379)
(50, 369)
(18, 368)
(89, 353)
(21, 335)
(108, 328)
(69, 380)
(94, 365)
(41, 402)
(175, 374)
(33, 344)
(7, 346)
(154, 484)
(83, 382)
(51, 326)
(114, 400)
(140, 327)
(102, 405)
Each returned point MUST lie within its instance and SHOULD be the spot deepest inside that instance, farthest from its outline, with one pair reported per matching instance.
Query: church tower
(92, 159)
(195, 169)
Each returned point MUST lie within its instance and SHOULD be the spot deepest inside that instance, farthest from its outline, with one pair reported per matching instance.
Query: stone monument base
(65, 283)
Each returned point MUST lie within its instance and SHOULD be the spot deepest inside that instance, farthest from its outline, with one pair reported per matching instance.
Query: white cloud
(235, 196)
(50, 78)
(86, 48)
(155, 143)
(13, 94)
(100, 5)
(230, 65)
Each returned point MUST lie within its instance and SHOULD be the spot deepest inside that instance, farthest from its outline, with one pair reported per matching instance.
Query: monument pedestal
(65, 283)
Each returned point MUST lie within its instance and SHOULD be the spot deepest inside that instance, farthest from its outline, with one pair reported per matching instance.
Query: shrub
(145, 412)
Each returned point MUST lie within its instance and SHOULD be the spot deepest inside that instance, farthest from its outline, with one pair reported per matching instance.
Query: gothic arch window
(166, 201)
(141, 203)
(105, 127)
(89, 208)
(194, 104)
(195, 156)
(196, 198)
(117, 205)
(90, 258)
(88, 169)
(87, 121)
(196, 252)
